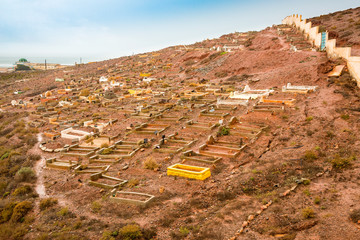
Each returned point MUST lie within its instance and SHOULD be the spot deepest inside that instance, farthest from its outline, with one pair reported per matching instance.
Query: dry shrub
(25, 174)
(130, 232)
(47, 203)
(150, 163)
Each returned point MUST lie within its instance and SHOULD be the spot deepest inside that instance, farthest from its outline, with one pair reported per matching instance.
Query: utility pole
(45, 65)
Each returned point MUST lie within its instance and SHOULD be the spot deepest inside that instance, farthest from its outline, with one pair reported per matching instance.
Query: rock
(286, 193)
(245, 223)
(259, 212)
(251, 217)
(125, 167)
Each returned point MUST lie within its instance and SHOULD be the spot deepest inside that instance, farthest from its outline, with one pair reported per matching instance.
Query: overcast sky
(103, 29)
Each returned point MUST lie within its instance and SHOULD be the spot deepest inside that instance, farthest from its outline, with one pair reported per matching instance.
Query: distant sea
(8, 62)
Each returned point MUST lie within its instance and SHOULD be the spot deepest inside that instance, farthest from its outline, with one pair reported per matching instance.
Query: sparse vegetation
(130, 232)
(150, 163)
(308, 213)
(47, 203)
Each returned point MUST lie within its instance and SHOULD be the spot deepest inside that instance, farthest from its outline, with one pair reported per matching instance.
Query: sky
(105, 29)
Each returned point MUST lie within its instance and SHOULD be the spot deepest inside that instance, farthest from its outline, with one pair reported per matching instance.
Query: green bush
(47, 202)
(20, 210)
(25, 174)
(224, 131)
(130, 232)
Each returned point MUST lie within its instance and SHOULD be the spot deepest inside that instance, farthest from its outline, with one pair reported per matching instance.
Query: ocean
(8, 62)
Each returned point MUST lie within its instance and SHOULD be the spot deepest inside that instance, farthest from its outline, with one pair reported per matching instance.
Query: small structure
(104, 181)
(140, 199)
(188, 171)
(248, 93)
(198, 157)
(299, 89)
(73, 134)
(60, 164)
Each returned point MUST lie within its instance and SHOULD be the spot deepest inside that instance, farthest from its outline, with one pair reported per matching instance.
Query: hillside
(283, 166)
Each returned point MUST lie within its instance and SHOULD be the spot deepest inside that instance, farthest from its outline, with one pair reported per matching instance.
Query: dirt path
(40, 187)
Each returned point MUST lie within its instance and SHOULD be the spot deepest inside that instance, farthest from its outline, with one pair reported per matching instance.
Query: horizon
(113, 29)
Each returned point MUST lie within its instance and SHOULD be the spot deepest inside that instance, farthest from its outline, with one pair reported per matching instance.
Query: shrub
(47, 202)
(104, 145)
(130, 232)
(25, 174)
(63, 212)
(107, 151)
(310, 155)
(317, 200)
(345, 116)
(7, 211)
(310, 118)
(96, 206)
(133, 182)
(355, 216)
(224, 131)
(20, 210)
(23, 190)
(308, 213)
(150, 163)
(340, 163)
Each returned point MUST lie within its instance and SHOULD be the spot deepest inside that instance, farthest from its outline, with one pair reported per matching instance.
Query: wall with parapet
(313, 35)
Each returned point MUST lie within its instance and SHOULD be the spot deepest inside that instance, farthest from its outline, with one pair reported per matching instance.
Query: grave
(214, 147)
(104, 181)
(140, 199)
(77, 151)
(288, 102)
(120, 150)
(60, 164)
(71, 133)
(173, 144)
(299, 89)
(201, 125)
(229, 101)
(198, 157)
(146, 128)
(85, 169)
(188, 171)
(268, 107)
(248, 93)
(247, 131)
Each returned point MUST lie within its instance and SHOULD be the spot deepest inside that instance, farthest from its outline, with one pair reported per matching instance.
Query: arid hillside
(238, 137)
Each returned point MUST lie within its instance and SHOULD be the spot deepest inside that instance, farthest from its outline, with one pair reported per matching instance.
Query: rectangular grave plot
(140, 199)
(103, 159)
(188, 171)
(85, 169)
(104, 181)
(60, 164)
(198, 157)
(221, 151)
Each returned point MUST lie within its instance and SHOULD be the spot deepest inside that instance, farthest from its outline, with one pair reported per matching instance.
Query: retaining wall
(312, 33)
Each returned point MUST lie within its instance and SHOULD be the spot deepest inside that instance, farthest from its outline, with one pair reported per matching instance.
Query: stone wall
(312, 33)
